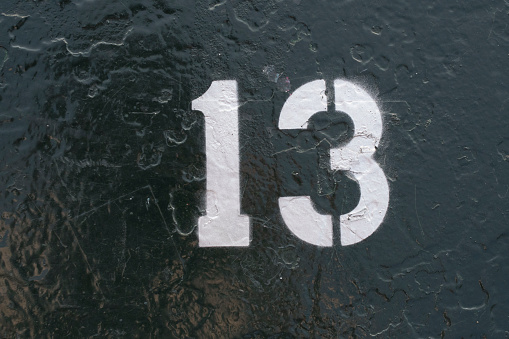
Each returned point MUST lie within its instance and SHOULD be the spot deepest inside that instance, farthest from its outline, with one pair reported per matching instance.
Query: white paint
(223, 225)
(357, 158)
(302, 219)
(307, 100)
(298, 213)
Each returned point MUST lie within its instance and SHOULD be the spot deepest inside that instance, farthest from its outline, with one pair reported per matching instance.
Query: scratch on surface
(91, 211)
(168, 229)
(15, 15)
(87, 52)
(492, 23)
(109, 202)
(299, 149)
(415, 205)
(85, 258)
(391, 325)
(244, 189)
(285, 150)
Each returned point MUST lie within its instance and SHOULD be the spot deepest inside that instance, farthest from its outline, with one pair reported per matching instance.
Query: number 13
(224, 225)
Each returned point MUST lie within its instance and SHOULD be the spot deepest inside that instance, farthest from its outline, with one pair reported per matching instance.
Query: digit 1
(223, 225)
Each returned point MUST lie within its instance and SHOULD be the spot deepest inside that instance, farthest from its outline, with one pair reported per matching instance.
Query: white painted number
(298, 212)
(225, 226)
(356, 157)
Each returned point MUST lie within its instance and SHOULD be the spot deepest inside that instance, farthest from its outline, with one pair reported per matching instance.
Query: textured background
(102, 169)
